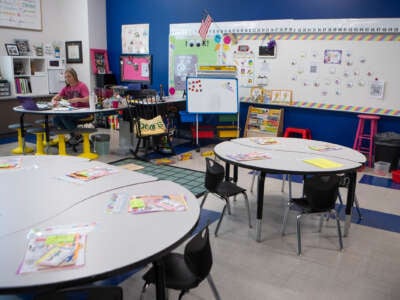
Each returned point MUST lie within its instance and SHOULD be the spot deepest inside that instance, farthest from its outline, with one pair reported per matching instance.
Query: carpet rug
(379, 181)
(190, 179)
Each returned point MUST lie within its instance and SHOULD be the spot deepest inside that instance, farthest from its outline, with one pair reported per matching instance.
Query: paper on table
(153, 203)
(323, 163)
(249, 156)
(10, 163)
(324, 147)
(264, 140)
(132, 167)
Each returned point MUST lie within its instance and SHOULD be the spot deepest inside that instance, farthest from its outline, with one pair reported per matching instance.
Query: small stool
(304, 133)
(62, 149)
(52, 142)
(39, 132)
(21, 149)
(86, 153)
(367, 137)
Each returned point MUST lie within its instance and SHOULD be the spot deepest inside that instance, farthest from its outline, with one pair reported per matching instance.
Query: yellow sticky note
(60, 239)
(323, 163)
(136, 203)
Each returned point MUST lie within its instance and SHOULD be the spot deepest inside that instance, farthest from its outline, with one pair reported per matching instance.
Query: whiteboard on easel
(212, 95)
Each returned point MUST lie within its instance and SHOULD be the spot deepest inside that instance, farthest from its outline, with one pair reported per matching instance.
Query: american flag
(205, 25)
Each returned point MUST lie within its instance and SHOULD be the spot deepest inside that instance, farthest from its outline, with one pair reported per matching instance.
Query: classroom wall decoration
(21, 14)
(342, 64)
(135, 38)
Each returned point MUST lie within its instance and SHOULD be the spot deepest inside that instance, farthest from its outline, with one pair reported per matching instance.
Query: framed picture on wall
(23, 46)
(12, 49)
(99, 61)
(73, 52)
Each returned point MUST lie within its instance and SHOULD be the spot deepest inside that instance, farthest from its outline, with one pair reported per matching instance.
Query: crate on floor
(204, 132)
(189, 118)
(227, 131)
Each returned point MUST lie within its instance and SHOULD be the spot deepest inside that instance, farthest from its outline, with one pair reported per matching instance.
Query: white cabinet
(27, 75)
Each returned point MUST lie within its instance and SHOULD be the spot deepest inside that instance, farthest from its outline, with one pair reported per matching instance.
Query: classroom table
(58, 112)
(119, 241)
(286, 156)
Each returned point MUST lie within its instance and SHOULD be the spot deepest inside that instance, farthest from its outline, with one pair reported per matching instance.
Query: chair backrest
(214, 174)
(198, 256)
(144, 105)
(84, 293)
(321, 191)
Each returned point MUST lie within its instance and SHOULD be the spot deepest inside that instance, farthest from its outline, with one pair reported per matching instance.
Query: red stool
(367, 137)
(304, 133)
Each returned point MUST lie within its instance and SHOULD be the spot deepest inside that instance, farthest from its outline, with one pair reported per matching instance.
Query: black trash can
(387, 148)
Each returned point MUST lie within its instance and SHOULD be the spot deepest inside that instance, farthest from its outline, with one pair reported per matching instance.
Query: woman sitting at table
(76, 93)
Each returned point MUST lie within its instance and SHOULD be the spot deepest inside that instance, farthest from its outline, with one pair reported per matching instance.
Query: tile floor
(368, 268)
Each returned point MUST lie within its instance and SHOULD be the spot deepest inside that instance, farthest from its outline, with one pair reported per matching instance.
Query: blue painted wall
(337, 127)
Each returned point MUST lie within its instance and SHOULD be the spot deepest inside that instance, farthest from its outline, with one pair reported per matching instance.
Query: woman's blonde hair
(72, 72)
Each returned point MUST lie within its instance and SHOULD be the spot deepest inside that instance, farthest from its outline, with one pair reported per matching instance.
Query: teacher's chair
(320, 195)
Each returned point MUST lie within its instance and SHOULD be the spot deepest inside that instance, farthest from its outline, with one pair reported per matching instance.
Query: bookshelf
(263, 121)
(27, 75)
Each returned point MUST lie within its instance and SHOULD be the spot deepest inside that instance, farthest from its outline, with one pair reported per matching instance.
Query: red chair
(304, 133)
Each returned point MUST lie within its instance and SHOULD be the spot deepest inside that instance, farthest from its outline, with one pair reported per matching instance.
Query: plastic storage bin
(387, 148)
(101, 143)
(189, 118)
(381, 168)
(396, 176)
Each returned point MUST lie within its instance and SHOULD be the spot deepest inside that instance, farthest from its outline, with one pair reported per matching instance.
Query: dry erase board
(21, 14)
(337, 64)
(212, 95)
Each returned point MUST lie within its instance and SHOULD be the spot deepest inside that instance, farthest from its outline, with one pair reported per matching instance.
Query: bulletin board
(136, 68)
(336, 64)
(21, 14)
(212, 95)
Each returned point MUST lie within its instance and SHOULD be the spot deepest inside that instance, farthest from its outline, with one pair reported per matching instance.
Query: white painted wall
(67, 20)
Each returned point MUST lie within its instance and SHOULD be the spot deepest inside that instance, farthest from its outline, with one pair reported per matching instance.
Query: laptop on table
(28, 103)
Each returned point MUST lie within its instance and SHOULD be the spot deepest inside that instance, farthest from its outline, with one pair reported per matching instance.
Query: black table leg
(351, 190)
(21, 125)
(260, 204)
(160, 280)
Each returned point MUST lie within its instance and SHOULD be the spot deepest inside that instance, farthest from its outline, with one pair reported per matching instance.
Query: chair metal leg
(183, 292)
(246, 199)
(220, 220)
(298, 235)
(338, 229)
(144, 288)
(213, 287)
(252, 181)
(284, 176)
(285, 217)
(204, 199)
(321, 220)
(357, 207)
(228, 205)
